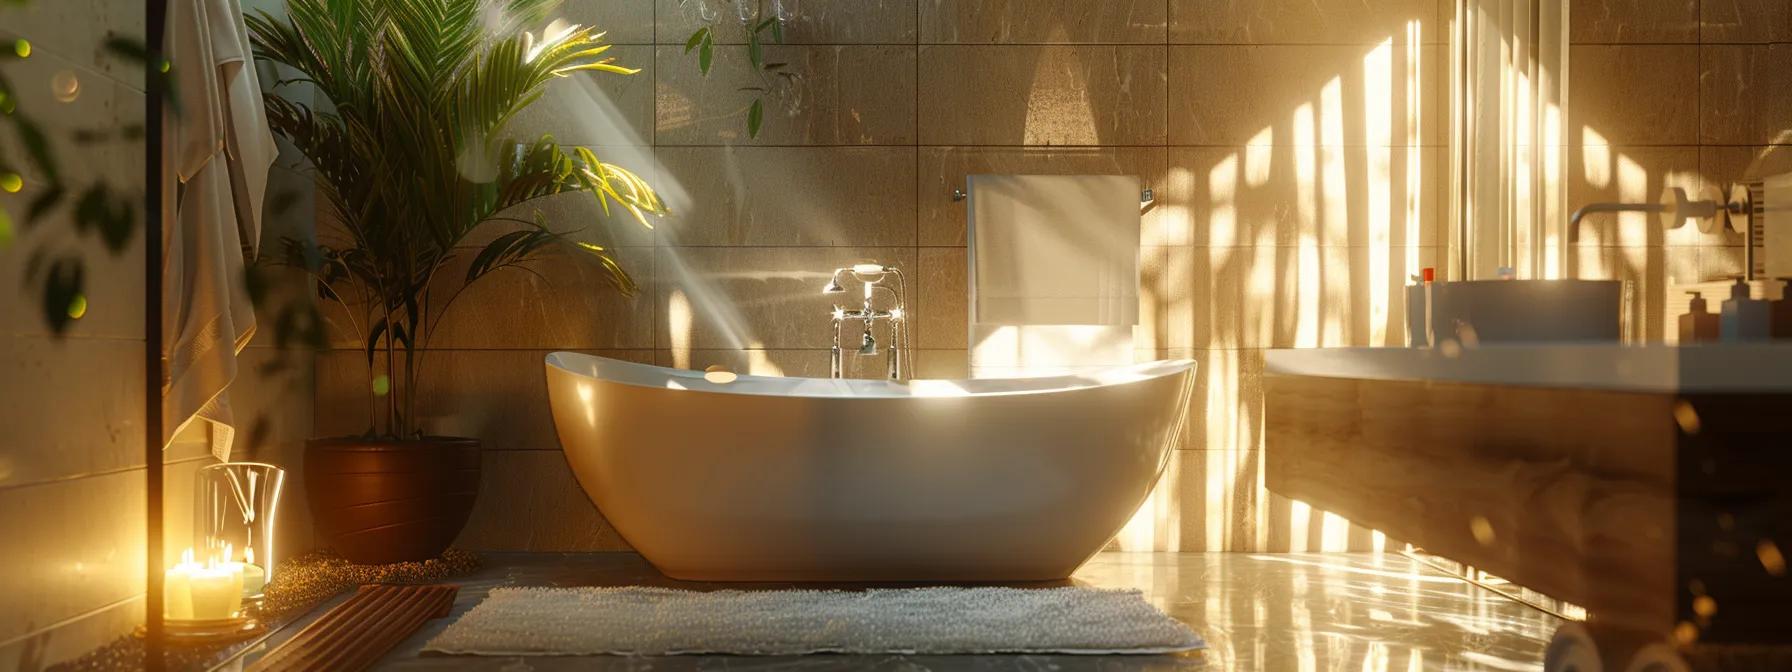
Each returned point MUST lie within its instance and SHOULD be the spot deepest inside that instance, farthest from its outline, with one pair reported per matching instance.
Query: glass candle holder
(237, 509)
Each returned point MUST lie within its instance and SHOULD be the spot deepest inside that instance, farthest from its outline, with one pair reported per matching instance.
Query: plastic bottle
(1698, 325)
(1745, 319)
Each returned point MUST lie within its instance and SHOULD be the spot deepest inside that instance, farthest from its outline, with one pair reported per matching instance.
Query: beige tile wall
(1296, 148)
(1665, 94)
(71, 460)
(72, 485)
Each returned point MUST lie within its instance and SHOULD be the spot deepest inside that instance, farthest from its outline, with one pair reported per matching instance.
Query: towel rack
(1146, 196)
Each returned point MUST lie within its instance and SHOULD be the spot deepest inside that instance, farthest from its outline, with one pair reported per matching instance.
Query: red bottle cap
(1429, 274)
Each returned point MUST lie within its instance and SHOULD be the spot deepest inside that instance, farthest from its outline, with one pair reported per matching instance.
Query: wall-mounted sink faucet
(872, 277)
(1674, 201)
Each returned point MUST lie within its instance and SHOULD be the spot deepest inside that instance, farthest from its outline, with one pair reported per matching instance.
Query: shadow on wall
(1312, 201)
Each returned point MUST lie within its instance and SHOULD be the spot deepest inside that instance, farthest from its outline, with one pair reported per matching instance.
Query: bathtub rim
(650, 376)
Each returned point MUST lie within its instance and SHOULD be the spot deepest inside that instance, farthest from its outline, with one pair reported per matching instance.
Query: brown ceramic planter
(378, 501)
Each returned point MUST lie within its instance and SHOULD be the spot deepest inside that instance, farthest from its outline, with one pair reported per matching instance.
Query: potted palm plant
(416, 173)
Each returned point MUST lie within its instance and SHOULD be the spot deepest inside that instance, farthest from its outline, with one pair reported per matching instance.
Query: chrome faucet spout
(1596, 208)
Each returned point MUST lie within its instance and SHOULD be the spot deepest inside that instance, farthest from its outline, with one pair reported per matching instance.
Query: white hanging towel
(1054, 273)
(220, 148)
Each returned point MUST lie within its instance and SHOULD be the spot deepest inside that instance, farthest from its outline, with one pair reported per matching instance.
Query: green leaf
(696, 38)
(63, 288)
(778, 32)
(493, 253)
(705, 55)
(755, 115)
(754, 52)
(373, 339)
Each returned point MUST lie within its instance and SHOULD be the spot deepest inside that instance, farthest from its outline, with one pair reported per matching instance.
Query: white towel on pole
(220, 148)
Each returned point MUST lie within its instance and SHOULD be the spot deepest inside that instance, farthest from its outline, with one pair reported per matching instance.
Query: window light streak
(1306, 183)
(1222, 187)
(678, 319)
(1415, 169)
(1378, 94)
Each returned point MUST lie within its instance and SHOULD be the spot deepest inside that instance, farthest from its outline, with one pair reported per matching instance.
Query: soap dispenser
(1782, 311)
(1745, 319)
(1698, 325)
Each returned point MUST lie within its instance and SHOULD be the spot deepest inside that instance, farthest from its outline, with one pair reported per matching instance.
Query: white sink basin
(1518, 311)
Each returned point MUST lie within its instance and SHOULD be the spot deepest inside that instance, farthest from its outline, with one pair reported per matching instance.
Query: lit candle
(255, 578)
(177, 590)
(211, 591)
(216, 592)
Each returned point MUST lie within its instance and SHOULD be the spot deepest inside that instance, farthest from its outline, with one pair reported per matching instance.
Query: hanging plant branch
(769, 74)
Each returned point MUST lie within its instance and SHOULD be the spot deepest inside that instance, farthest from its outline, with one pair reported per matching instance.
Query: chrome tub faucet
(873, 277)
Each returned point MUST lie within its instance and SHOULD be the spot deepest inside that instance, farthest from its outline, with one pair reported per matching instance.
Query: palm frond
(411, 148)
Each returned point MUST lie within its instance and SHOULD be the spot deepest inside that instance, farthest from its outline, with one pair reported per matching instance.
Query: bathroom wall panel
(77, 30)
(1284, 297)
(1634, 21)
(942, 299)
(817, 22)
(1041, 95)
(1302, 21)
(97, 103)
(942, 364)
(1333, 95)
(944, 169)
(497, 396)
(1633, 174)
(596, 108)
(563, 300)
(623, 21)
(82, 414)
(1745, 94)
(1634, 94)
(1042, 22)
(789, 196)
(113, 283)
(1206, 501)
(529, 501)
(847, 95)
(1226, 403)
(1754, 21)
(71, 547)
(1284, 195)
(753, 297)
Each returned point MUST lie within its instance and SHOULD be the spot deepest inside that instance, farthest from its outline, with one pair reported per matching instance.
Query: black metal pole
(156, 16)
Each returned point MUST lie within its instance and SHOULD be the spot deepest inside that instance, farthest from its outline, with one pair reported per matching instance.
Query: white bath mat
(660, 621)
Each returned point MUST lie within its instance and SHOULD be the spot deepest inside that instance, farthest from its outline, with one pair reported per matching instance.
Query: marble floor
(1309, 611)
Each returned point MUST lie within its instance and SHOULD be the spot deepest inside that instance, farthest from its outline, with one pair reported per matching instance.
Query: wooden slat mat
(355, 634)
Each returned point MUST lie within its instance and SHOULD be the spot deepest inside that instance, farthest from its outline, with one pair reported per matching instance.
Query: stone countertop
(1726, 368)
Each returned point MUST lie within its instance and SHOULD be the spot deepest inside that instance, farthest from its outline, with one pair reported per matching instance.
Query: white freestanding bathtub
(805, 479)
